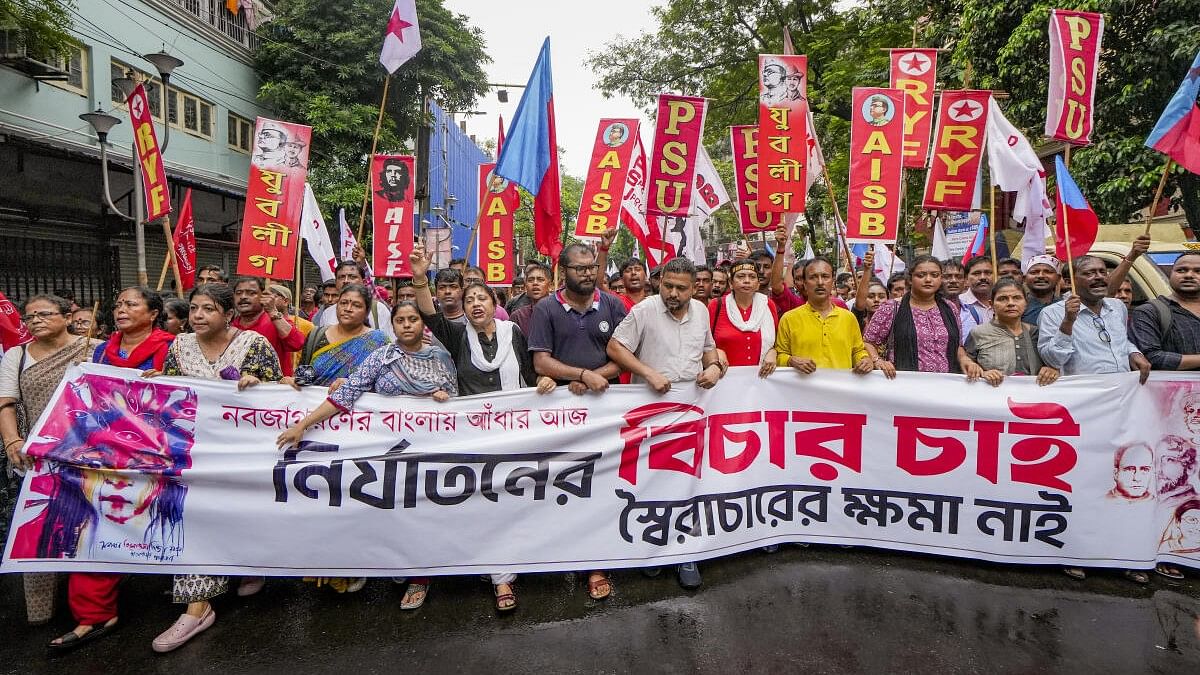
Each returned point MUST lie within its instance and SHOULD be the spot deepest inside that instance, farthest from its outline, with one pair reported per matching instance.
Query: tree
(320, 62)
(43, 25)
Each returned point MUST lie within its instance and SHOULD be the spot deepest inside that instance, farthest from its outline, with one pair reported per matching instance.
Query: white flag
(633, 206)
(941, 249)
(682, 235)
(316, 235)
(886, 264)
(1015, 167)
(709, 193)
(816, 158)
(402, 40)
(349, 243)
(809, 254)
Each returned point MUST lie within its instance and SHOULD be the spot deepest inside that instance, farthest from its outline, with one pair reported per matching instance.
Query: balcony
(213, 13)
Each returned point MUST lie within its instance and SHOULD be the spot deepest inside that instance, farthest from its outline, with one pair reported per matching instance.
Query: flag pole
(362, 215)
(299, 272)
(837, 215)
(170, 260)
(992, 225)
(1162, 183)
(1066, 226)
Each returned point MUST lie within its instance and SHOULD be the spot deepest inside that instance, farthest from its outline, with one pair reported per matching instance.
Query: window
(73, 59)
(198, 115)
(153, 87)
(240, 131)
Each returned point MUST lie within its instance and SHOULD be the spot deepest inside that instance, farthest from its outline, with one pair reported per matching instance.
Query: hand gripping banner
(1018, 473)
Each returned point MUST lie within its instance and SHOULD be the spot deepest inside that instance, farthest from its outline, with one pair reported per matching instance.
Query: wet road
(814, 610)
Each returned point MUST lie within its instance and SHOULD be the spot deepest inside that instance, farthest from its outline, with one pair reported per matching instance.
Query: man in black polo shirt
(568, 335)
(569, 331)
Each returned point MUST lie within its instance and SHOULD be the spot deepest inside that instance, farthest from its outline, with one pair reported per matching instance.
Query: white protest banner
(1092, 470)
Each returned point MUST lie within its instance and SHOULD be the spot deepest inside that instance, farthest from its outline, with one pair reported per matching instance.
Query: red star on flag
(964, 110)
(915, 64)
(396, 25)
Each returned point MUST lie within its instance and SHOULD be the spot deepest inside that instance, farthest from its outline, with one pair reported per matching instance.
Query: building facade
(56, 232)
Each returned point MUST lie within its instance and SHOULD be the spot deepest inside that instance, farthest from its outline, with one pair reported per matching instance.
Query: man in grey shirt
(666, 339)
(1085, 333)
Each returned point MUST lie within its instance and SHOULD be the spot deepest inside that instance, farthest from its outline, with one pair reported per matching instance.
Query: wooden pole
(1066, 227)
(992, 228)
(95, 317)
(471, 242)
(837, 216)
(1162, 183)
(299, 273)
(362, 215)
(170, 260)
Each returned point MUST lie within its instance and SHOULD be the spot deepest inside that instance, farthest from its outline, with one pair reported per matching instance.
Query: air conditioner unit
(15, 54)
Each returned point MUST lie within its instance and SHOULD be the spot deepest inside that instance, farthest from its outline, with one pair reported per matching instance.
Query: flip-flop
(410, 601)
(1075, 573)
(1137, 576)
(72, 641)
(1168, 572)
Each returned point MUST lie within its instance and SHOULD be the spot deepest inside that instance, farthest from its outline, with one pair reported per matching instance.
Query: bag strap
(717, 315)
(1164, 316)
(310, 345)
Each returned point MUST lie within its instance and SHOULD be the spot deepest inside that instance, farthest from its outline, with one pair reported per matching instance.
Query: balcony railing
(214, 13)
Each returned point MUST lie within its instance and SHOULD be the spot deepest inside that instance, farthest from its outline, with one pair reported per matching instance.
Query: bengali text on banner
(1016, 474)
(391, 215)
(782, 132)
(956, 157)
(876, 165)
(274, 200)
(612, 154)
(677, 136)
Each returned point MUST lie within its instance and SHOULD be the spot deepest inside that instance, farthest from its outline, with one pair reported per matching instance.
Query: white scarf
(506, 358)
(760, 320)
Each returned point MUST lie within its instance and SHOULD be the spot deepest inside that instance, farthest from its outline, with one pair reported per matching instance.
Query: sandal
(1075, 573)
(505, 602)
(1137, 576)
(1168, 572)
(599, 587)
(414, 596)
(71, 640)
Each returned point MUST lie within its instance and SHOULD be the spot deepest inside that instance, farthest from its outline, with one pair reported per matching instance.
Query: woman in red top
(744, 320)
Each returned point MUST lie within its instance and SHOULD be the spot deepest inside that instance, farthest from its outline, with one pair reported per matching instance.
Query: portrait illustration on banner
(274, 149)
(616, 134)
(116, 451)
(496, 184)
(393, 180)
(781, 84)
(1177, 468)
(878, 110)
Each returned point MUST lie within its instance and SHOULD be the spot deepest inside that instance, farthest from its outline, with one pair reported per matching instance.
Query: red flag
(500, 136)
(184, 243)
(13, 332)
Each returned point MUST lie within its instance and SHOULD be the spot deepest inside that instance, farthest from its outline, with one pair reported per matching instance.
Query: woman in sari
(407, 367)
(920, 330)
(330, 354)
(215, 350)
(138, 342)
(744, 321)
(489, 354)
(28, 376)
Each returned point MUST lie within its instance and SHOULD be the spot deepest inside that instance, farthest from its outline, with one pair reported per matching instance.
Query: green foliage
(710, 48)
(338, 92)
(42, 24)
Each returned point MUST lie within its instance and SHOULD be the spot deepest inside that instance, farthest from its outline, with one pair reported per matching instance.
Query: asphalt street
(803, 610)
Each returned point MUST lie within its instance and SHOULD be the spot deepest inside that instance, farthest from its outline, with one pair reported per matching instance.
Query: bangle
(603, 249)
(581, 372)
(424, 285)
(15, 440)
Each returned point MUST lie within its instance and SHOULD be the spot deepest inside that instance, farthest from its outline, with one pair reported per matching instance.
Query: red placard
(496, 208)
(680, 125)
(612, 153)
(13, 331)
(957, 151)
(743, 140)
(876, 164)
(392, 214)
(782, 132)
(915, 71)
(274, 200)
(184, 242)
(154, 175)
(1074, 58)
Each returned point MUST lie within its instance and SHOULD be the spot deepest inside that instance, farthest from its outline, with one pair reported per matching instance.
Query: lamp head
(164, 63)
(502, 95)
(101, 122)
(126, 84)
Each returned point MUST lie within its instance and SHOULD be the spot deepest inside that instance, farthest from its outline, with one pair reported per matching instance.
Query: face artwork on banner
(1016, 474)
(612, 154)
(1074, 59)
(915, 71)
(743, 140)
(677, 136)
(876, 165)
(97, 427)
(154, 174)
(782, 132)
(391, 214)
(274, 200)
(957, 152)
(496, 208)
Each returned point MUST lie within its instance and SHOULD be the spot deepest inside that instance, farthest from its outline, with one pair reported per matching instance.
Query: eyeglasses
(582, 269)
(28, 318)
(1098, 324)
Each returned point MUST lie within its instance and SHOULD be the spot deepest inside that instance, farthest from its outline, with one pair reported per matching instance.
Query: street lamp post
(102, 122)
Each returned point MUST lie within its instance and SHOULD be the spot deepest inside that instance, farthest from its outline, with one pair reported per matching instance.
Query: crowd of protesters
(453, 335)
